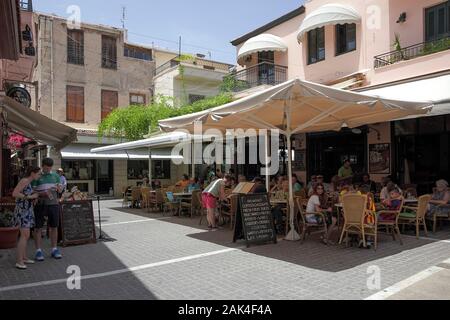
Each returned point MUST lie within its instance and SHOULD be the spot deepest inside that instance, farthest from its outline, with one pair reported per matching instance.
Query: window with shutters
(109, 52)
(110, 101)
(75, 104)
(75, 47)
(437, 21)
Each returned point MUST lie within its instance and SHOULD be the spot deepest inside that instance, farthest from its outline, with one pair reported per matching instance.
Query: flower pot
(8, 238)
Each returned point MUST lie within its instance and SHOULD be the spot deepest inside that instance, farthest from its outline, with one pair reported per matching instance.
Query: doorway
(327, 152)
(104, 176)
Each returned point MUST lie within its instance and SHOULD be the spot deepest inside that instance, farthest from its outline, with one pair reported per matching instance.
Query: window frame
(73, 89)
(435, 9)
(138, 95)
(109, 54)
(309, 36)
(73, 59)
(337, 38)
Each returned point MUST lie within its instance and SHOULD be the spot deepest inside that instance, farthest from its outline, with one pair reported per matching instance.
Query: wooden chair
(196, 203)
(417, 216)
(357, 219)
(156, 201)
(136, 197)
(308, 227)
(230, 214)
(145, 196)
(391, 225)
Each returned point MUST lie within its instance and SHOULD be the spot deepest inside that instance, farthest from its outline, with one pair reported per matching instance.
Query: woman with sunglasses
(319, 203)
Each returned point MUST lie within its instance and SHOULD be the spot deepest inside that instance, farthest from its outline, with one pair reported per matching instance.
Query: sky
(206, 26)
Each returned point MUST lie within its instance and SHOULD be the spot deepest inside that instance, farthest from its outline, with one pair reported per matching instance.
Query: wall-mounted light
(402, 18)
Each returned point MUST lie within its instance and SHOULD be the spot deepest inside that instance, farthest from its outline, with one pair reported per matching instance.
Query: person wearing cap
(63, 179)
(440, 198)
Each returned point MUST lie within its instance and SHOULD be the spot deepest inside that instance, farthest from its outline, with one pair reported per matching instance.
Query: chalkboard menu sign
(254, 221)
(77, 223)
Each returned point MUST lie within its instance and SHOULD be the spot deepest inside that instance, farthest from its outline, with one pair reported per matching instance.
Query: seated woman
(194, 185)
(441, 196)
(319, 203)
(184, 183)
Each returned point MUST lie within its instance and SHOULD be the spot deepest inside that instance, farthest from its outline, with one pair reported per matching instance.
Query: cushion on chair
(410, 215)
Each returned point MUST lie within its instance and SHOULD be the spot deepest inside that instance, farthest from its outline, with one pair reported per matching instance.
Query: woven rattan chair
(358, 219)
(145, 196)
(391, 225)
(308, 228)
(416, 215)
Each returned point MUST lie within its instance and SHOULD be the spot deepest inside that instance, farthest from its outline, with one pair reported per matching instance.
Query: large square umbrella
(298, 106)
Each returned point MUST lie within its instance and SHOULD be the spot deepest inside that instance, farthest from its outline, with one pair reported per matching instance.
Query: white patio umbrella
(298, 106)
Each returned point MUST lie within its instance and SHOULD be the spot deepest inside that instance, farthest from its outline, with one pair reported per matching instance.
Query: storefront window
(138, 169)
(161, 169)
(79, 169)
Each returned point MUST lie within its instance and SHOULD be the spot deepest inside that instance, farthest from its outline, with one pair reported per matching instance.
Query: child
(392, 204)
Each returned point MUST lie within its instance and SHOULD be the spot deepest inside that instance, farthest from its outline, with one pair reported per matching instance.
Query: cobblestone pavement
(157, 257)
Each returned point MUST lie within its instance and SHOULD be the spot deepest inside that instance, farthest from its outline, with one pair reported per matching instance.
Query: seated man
(392, 204)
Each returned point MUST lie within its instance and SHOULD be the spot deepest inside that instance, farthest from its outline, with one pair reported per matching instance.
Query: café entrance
(327, 152)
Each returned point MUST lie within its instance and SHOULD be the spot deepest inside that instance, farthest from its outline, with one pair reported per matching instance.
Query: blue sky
(205, 25)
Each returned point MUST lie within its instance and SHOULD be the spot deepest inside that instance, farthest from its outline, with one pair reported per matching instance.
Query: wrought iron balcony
(264, 73)
(412, 52)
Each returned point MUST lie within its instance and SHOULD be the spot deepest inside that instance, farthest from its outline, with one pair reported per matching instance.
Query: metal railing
(194, 61)
(264, 73)
(412, 52)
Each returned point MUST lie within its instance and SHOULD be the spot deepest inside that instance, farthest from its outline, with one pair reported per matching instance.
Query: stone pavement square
(156, 257)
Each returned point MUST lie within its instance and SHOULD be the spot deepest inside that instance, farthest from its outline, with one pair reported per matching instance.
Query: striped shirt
(48, 181)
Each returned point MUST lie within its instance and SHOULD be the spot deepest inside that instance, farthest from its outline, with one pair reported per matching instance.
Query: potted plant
(8, 233)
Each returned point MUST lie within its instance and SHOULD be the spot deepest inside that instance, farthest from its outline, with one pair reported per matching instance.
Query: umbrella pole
(150, 173)
(293, 234)
(267, 162)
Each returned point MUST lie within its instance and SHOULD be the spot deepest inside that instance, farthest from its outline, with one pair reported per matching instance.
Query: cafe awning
(329, 14)
(261, 43)
(436, 89)
(34, 125)
(83, 152)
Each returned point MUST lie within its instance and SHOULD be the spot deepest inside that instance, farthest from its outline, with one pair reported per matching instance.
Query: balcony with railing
(412, 52)
(264, 73)
(194, 62)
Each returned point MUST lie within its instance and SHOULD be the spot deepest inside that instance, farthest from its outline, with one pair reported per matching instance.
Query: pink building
(398, 49)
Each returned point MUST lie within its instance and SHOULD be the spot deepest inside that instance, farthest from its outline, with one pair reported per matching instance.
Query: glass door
(266, 72)
(104, 177)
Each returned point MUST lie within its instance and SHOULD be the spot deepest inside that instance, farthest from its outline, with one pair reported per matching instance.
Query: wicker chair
(357, 219)
(417, 216)
(230, 213)
(391, 225)
(307, 227)
(156, 201)
(126, 193)
(196, 203)
(145, 195)
(136, 197)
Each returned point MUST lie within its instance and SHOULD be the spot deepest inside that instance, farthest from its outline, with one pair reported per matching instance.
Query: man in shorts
(48, 186)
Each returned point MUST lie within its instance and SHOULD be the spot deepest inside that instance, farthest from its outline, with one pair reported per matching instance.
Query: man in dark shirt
(259, 186)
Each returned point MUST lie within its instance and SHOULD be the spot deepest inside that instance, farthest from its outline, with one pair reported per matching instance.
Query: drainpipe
(51, 68)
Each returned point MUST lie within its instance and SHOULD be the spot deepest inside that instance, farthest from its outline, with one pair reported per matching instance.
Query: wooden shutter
(75, 104)
(110, 101)
(109, 52)
(75, 47)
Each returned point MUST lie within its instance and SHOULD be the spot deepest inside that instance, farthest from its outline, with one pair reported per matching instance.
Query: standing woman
(24, 214)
